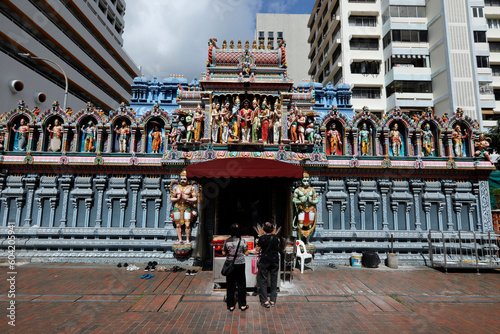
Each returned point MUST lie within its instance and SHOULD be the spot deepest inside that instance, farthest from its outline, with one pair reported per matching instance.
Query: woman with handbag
(235, 250)
(268, 246)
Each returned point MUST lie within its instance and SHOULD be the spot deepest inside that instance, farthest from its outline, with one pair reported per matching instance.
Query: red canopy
(244, 167)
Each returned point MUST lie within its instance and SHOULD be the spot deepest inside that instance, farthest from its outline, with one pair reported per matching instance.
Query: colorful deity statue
(276, 122)
(56, 134)
(233, 133)
(22, 133)
(292, 125)
(301, 121)
(481, 145)
(245, 120)
(365, 139)
(157, 137)
(189, 128)
(89, 137)
(224, 116)
(427, 141)
(264, 121)
(305, 200)
(184, 198)
(335, 140)
(123, 134)
(215, 122)
(198, 119)
(396, 141)
(457, 138)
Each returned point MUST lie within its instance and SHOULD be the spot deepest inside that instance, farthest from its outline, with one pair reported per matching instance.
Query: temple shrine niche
(255, 146)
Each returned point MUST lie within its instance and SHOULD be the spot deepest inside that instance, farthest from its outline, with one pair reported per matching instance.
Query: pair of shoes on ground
(191, 272)
(177, 269)
(268, 304)
(151, 266)
(124, 265)
(132, 267)
(243, 308)
(162, 269)
(147, 276)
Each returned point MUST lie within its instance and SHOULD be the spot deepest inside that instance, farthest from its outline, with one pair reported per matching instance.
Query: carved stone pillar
(30, 182)
(375, 217)
(471, 217)
(362, 207)
(39, 202)
(440, 216)
(134, 183)
(427, 210)
(394, 207)
(123, 206)
(457, 206)
(168, 219)
(53, 205)
(74, 202)
(144, 205)
(407, 211)
(157, 212)
(418, 134)
(88, 206)
(65, 139)
(319, 187)
(416, 187)
(65, 183)
(109, 203)
(329, 208)
(385, 187)
(5, 202)
(100, 184)
(19, 208)
(352, 188)
(448, 187)
(475, 189)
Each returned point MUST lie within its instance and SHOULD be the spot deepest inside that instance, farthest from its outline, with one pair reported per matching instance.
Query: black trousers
(264, 270)
(237, 278)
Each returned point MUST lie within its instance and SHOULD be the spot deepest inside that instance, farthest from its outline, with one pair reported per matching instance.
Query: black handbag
(228, 267)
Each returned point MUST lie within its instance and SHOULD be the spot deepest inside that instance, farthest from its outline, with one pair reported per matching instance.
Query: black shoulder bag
(228, 266)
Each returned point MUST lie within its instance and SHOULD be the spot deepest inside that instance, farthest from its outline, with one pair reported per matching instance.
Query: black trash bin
(370, 260)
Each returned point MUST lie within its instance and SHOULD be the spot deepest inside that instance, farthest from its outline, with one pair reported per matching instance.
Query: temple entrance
(250, 202)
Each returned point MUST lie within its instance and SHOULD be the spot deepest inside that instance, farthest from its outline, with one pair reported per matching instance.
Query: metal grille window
(407, 11)
(363, 21)
(366, 93)
(365, 67)
(479, 36)
(364, 44)
(483, 61)
(405, 36)
(409, 87)
(494, 23)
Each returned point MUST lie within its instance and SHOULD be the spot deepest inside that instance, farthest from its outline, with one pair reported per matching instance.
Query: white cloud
(167, 37)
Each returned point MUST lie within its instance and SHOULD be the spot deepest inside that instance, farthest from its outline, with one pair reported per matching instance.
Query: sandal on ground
(230, 309)
(266, 304)
(244, 308)
(273, 304)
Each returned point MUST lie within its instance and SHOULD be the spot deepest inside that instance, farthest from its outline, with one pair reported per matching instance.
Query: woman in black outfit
(238, 274)
(268, 245)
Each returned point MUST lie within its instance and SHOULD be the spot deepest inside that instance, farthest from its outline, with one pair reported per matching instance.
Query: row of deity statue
(256, 124)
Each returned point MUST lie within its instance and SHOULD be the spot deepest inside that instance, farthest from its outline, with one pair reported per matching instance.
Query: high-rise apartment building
(83, 37)
(408, 54)
(270, 29)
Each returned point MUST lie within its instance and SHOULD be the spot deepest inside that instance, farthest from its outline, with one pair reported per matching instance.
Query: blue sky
(169, 37)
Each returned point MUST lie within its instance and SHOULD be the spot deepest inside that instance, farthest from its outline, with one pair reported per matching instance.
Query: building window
(261, 34)
(336, 54)
(365, 67)
(496, 70)
(405, 36)
(492, 3)
(483, 61)
(494, 46)
(337, 77)
(494, 23)
(403, 11)
(270, 34)
(409, 87)
(364, 44)
(363, 21)
(477, 12)
(366, 93)
(479, 36)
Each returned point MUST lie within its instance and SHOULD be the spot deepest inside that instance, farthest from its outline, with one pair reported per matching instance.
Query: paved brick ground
(70, 298)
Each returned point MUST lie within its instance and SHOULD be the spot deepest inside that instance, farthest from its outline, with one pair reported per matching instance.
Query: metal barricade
(464, 249)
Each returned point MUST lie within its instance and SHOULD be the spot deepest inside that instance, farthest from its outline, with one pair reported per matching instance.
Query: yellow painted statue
(305, 200)
(184, 198)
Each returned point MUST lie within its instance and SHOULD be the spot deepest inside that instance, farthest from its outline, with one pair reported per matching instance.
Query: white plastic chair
(302, 254)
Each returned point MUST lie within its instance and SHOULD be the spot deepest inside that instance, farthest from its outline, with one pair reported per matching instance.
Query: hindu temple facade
(91, 186)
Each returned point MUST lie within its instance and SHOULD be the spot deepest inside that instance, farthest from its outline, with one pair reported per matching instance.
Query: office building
(83, 37)
(412, 55)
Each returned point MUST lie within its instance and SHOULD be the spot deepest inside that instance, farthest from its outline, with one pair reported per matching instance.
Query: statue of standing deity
(224, 122)
(292, 125)
(198, 119)
(22, 135)
(123, 134)
(215, 122)
(157, 138)
(276, 122)
(264, 121)
(56, 136)
(245, 120)
(305, 200)
(427, 141)
(335, 140)
(396, 141)
(89, 137)
(184, 198)
(458, 141)
(365, 138)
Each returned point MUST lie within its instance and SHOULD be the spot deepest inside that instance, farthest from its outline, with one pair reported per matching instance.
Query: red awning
(244, 167)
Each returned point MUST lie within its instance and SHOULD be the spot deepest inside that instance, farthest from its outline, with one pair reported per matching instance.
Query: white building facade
(83, 37)
(272, 28)
(411, 54)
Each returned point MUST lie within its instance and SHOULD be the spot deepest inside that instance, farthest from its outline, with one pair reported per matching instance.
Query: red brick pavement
(70, 298)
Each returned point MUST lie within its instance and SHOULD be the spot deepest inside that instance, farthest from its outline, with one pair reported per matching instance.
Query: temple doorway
(251, 202)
